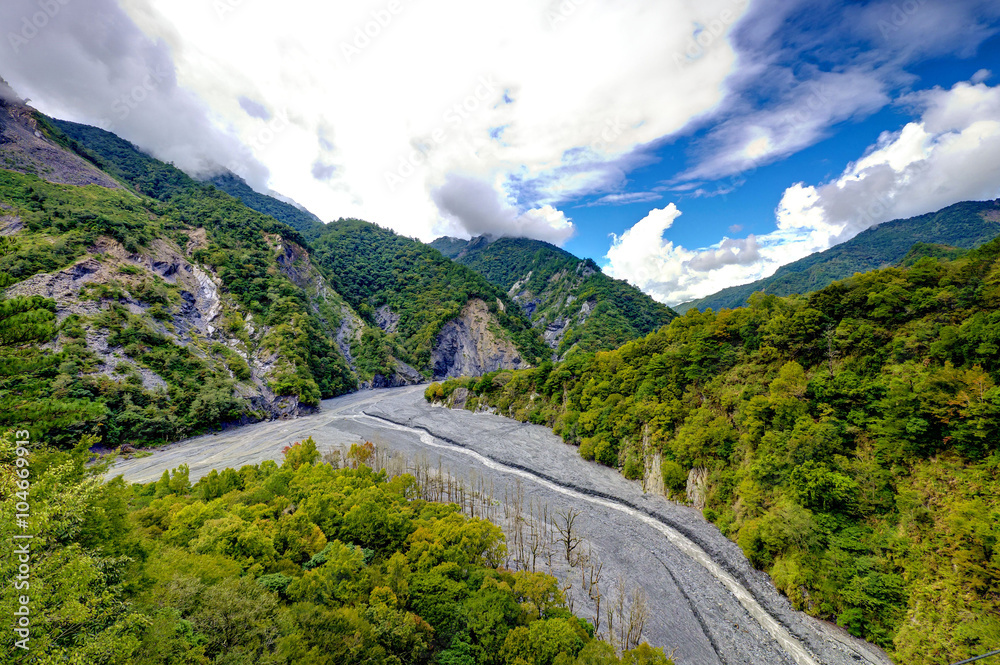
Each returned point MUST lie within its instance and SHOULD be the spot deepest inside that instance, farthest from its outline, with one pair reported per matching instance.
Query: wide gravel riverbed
(707, 605)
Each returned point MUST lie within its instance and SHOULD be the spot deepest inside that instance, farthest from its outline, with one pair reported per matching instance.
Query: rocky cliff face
(471, 345)
(340, 322)
(24, 148)
(554, 307)
(110, 276)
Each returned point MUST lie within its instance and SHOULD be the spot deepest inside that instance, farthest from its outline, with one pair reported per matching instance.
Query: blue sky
(754, 196)
(684, 145)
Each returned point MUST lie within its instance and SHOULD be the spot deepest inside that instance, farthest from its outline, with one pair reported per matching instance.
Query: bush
(674, 476)
(606, 453)
(634, 468)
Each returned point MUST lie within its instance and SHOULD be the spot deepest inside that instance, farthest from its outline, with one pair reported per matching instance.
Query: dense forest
(848, 440)
(373, 267)
(137, 310)
(963, 226)
(304, 562)
(592, 311)
(368, 265)
(302, 221)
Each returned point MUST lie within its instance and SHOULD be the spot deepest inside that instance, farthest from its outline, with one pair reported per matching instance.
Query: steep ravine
(707, 603)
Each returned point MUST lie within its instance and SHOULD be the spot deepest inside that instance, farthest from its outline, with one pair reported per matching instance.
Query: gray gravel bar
(708, 605)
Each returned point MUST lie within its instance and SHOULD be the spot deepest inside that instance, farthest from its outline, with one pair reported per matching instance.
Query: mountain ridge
(571, 300)
(142, 306)
(964, 225)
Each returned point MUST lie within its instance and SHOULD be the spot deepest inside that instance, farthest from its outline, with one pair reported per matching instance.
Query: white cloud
(583, 93)
(672, 273)
(627, 198)
(89, 62)
(476, 209)
(951, 154)
(804, 67)
(753, 138)
(643, 257)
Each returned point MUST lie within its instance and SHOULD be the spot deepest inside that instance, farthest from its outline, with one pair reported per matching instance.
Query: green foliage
(63, 223)
(674, 476)
(124, 161)
(300, 563)
(849, 440)
(302, 221)
(942, 235)
(373, 267)
(554, 285)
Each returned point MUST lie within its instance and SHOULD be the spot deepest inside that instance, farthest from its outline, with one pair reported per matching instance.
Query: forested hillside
(412, 291)
(576, 305)
(302, 221)
(963, 225)
(299, 563)
(110, 329)
(373, 268)
(847, 440)
(148, 315)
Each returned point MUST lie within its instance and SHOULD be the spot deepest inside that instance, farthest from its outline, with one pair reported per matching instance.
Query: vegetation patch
(849, 439)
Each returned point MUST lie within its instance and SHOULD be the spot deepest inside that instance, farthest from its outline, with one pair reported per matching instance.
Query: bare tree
(592, 572)
(567, 590)
(569, 538)
(638, 617)
(595, 595)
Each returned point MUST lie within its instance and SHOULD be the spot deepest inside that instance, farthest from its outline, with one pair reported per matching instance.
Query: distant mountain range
(963, 225)
(569, 299)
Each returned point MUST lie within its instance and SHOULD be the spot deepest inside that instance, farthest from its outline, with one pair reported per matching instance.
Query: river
(706, 604)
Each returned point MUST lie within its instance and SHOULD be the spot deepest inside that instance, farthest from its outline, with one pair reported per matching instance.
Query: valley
(707, 604)
(337, 441)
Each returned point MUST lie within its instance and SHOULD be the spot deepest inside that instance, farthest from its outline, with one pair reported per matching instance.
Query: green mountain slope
(160, 327)
(306, 223)
(848, 441)
(413, 294)
(433, 312)
(963, 225)
(576, 305)
(149, 306)
(122, 159)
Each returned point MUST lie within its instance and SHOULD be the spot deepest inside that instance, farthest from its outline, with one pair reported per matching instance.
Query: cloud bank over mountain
(950, 154)
(87, 60)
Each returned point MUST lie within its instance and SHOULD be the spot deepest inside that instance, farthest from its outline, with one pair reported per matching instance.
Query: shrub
(674, 476)
(633, 468)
